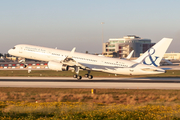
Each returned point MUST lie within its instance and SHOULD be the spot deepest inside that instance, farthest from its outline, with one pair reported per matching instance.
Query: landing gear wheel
(90, 76)
(75, 76)
(25, 66)
(79, 77)
(86, 75)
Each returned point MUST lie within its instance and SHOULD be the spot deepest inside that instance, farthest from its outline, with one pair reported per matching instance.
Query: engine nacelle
(53, 65)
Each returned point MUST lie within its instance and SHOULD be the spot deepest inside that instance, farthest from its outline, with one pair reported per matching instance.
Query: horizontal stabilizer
(166, 68)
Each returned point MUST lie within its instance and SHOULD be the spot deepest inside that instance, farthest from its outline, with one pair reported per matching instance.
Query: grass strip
(51, 73)
(79, 110)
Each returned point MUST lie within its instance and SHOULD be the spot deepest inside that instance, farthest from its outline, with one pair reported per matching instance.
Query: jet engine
(53, 65)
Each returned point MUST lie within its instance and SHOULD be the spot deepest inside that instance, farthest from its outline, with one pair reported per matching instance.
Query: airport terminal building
(121, 47)
(172, 56)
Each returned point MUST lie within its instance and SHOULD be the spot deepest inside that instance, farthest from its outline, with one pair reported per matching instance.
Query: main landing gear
(88, 76)
(77, 76)
(80, 77)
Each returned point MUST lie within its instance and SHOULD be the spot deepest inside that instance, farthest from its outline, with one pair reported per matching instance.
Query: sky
(77, 23)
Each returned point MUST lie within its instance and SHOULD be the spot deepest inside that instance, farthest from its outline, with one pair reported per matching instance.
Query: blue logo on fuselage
(151, 51)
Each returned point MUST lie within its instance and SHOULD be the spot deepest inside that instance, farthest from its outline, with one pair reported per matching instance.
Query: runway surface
(69, 82)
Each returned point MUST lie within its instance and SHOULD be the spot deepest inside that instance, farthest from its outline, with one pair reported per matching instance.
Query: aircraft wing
(91, 66)
(71, 62)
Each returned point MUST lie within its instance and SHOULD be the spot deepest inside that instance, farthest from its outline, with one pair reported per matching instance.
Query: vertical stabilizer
(154, 55)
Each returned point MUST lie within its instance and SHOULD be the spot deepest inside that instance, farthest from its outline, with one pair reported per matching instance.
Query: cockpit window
(14, 48)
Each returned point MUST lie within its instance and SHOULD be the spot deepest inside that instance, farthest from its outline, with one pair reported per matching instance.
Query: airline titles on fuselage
(34, 49)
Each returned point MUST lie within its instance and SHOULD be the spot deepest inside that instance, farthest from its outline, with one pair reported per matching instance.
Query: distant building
(172, 56)
(121, 47)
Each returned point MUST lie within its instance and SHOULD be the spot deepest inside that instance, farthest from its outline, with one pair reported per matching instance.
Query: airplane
(61, 60)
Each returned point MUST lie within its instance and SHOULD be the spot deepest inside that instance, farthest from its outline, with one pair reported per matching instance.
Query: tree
(1, 54)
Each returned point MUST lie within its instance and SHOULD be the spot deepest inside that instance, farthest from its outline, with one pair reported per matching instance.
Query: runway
(112, 83)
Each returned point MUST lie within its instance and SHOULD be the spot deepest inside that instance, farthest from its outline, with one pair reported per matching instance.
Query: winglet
(71, 53)
(130, 55)
(69, 57)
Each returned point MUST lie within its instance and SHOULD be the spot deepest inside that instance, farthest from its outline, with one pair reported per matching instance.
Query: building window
(111, 46)
(112, 50)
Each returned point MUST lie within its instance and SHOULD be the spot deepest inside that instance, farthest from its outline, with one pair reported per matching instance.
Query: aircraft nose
(10, 51)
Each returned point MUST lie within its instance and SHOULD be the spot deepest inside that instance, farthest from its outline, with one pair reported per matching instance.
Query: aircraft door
(21, 49)
(48, 54)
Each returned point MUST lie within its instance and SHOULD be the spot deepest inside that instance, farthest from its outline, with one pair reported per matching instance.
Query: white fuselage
(93, 62)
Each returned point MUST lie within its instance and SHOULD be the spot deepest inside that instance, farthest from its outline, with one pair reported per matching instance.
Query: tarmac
(109, 83)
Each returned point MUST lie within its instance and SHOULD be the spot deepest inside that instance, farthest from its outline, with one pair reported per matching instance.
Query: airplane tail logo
(150, 58)
(154, 55)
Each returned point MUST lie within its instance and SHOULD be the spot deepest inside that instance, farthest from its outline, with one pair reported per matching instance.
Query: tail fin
(154, 55)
